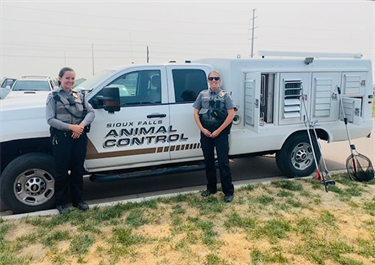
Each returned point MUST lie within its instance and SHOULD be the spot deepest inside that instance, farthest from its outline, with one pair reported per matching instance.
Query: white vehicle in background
(6, 85)
(31, 86)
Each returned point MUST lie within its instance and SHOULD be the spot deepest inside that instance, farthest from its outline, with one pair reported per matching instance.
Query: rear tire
(295, 159)
(28, 184)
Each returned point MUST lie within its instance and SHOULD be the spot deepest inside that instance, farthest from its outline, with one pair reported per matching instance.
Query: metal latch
(356, 111)
(256, 103)
(261, 120)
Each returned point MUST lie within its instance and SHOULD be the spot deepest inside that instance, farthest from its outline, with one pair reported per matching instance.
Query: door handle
(156, 115)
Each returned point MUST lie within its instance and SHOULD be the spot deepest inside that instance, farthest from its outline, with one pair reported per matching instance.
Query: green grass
(266, 257)
(319, 250)
(212, 259)
(137, 218)
(306, 226)
(264, 200)
(190, 229)
(54, 237)
(327, 218)
(209, 235)
(126, 238)
(369, 208)
(288, 185)
(80, 244)
(235, 220)
(274, 229)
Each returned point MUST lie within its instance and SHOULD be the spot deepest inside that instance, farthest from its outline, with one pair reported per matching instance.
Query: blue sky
(40, 37)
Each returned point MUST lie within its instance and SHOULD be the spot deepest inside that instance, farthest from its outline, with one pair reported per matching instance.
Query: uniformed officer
(214, 112)
(69, 115)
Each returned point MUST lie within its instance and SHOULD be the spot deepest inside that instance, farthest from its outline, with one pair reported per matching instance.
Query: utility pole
(148, 55)
(92, 57)
(252, 34)
(131, 47)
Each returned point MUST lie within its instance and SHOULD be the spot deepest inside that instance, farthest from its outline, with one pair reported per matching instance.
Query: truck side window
(8, 82)
(188, 83)
(139, 87)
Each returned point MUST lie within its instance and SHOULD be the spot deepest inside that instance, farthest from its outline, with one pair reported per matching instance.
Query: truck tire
(27, 183)
(295, 159)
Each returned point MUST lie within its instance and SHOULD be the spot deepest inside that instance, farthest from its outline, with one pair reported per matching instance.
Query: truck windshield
(92, 81)
(31, 85)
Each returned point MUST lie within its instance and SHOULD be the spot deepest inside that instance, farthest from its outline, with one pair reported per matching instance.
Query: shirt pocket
(205, 102)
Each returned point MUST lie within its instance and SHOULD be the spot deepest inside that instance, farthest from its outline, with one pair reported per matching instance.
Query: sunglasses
(214, 78)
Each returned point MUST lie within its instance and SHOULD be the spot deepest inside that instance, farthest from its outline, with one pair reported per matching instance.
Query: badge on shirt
(221, 94)
(76, 97)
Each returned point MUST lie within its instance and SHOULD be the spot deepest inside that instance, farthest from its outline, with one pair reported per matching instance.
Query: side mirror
(111, 99)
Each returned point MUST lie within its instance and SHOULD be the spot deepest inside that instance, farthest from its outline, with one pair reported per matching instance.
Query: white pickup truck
(144, 120)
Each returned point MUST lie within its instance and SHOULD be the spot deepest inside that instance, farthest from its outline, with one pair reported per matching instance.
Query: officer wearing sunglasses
(213, 114)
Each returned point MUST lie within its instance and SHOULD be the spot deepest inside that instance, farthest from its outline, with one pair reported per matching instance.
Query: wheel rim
(34, 187)
(302, 156)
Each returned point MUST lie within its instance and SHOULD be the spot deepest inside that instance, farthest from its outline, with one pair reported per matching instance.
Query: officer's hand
(206, 132)
(78, 129)
(75, 135)
(215, 134)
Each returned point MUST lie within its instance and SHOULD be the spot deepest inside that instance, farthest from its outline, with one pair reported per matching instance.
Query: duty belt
(211, 123)
(65, 133)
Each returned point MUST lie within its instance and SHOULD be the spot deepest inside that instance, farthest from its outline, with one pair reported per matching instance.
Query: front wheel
(27, 183)
(296, 158)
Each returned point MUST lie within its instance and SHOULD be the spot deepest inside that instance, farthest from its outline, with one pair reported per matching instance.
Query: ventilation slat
(292, 99)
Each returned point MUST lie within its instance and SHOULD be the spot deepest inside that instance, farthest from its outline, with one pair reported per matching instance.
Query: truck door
(352, 108)
(325, 102)
(140, 131)
(353, 89)
(291, 108)
(354, 83)
(185, 83)
(252, 84)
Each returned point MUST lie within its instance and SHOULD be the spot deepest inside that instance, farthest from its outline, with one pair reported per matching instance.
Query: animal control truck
(144, 119)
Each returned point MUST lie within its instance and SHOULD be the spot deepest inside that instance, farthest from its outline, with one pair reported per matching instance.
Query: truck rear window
(188, 83)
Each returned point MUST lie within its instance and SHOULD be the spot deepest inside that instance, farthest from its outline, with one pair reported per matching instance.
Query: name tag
(203, 111)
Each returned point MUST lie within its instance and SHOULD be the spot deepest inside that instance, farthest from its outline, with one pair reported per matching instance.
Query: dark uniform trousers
(221, 143)
(70, 155)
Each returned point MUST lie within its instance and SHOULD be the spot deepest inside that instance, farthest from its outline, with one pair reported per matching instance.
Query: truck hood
(23, 118)
(22, 108)
(28, 94)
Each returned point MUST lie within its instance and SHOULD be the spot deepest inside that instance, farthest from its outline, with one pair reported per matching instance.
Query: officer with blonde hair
(213, 114)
